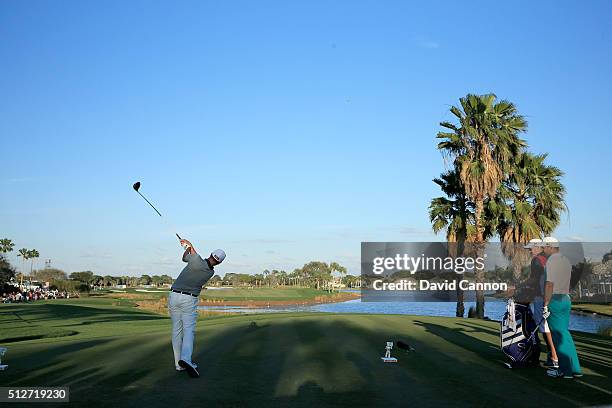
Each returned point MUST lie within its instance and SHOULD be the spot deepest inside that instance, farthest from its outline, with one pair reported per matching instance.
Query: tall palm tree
(528, 205)
(455, 214)
(32, 255)
(482, 145)
(24, 254)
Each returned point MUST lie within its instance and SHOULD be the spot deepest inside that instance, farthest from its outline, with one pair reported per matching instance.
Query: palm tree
(108, 280)
(97, 280)
(6, 245)
(282, 277)
(24, 254)
(455, 213)
(528, 205)
(32, 255)
(336, 267)
(258, 278)
(482, 146)
(144, 280)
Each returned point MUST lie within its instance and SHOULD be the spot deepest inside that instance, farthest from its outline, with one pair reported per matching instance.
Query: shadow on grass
(36, 313)
(299, 361)
(595, 382)
(478, 328)
(46, 335)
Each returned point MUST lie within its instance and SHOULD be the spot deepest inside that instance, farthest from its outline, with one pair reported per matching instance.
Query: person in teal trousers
(557, 307)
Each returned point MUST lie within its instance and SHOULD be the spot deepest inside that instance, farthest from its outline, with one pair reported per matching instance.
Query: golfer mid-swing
(183, 301)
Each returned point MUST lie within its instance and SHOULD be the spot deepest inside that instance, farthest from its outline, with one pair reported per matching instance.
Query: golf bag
(518, 334)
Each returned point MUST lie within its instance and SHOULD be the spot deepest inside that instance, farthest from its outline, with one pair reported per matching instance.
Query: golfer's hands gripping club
(186, 244)
(545, 312)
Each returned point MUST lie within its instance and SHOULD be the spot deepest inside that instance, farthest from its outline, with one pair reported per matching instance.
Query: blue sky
(282, 132)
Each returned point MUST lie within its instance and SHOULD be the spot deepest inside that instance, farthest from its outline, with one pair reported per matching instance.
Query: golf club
(137, 189)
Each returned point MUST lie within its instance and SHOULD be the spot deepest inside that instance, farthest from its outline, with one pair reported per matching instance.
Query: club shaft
(148, 202)
(158, 213)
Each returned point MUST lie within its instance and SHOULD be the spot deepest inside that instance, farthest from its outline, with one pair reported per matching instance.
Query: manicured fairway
(289, 293)
(121, 356)
(295, 294)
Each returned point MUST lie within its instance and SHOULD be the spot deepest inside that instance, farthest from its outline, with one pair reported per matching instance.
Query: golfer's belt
(184, 293)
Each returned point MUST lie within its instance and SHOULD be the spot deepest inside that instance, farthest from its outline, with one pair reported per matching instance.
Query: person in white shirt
(557, 307)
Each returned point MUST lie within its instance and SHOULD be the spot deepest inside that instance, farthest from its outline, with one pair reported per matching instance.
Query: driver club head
(136, 187)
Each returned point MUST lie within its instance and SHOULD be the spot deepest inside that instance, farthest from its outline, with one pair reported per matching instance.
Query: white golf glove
(545, 312)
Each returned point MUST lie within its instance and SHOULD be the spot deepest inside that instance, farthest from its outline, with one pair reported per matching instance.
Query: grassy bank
(121, 356)
(273, 296)
(240, 296)
(265, 294)
(600, 309)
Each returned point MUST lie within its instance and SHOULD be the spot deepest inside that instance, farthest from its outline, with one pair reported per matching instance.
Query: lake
(494, 308)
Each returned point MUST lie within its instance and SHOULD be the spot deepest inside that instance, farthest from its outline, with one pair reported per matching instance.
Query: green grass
(601, 309)
(230, 294)
(265, 294)
(121, 357)
(144, 293)
(81, 318)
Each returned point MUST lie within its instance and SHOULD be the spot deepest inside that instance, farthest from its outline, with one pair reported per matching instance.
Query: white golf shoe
(179, 368)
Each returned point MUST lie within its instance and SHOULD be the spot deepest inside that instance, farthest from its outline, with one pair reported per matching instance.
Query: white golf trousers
(184, 315)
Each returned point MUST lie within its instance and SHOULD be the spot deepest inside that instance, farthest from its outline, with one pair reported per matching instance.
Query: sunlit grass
(121, 357)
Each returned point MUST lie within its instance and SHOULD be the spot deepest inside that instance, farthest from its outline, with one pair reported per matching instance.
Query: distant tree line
(315, 274)
(76, 281)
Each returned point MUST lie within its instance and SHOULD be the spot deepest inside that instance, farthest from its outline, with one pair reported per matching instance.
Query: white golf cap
(533, 243)
(551, 242)
(218, 254)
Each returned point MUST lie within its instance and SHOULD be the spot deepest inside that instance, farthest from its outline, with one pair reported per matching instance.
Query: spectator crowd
(29, 295)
